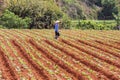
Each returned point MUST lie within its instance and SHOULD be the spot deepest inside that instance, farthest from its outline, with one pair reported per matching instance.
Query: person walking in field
(56, 26)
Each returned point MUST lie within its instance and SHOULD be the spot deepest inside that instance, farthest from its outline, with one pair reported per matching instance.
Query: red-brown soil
(76, 55)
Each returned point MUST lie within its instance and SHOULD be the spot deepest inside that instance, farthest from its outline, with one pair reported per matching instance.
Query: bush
(109, 7)
(48, 19)
(84, 24)
(2, 27)
(66, 23)
(10, 20)
(42, 12)
(117, 18)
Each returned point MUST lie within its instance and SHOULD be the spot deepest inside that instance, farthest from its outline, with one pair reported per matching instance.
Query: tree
(98, 3)
(42, 12)
(109, 7)
(3, 5)
(117, 16)
(10, 20)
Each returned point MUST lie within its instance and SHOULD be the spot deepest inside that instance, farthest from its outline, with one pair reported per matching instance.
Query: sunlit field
(75, 55)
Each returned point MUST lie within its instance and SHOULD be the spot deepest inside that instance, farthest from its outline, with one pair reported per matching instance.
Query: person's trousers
(57, 34)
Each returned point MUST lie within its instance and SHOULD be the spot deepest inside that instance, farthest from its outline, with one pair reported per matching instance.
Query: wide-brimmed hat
(57, 21)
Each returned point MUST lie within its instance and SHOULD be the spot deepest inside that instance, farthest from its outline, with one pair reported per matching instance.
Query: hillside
(82, 9)
(79, 8)
(89, 9)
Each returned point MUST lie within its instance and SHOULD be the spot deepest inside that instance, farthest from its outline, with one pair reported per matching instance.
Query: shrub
(41, 12)
(117, 18)
(2, 27)
(66, 23)
(85, 24)
(10, 20)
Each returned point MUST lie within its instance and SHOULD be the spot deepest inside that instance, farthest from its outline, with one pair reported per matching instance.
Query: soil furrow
(8, 65)
(58, 62)
(93, 66)
(52, 64)
(115, 63)
(108, 44)
(39, 70)
(76, 63)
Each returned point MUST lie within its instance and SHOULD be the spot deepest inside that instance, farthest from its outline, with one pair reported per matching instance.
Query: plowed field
(76, 55)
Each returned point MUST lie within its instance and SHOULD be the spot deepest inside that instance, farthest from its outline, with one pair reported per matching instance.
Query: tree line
(43, 13)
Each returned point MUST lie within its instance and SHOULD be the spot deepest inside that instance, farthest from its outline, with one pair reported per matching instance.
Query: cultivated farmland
(76, 55)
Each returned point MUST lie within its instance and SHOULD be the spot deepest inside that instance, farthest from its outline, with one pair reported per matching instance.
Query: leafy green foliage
(2, 27)
(84, 24)
(117, 18)
(75, 9)
(10, 20)
(42, 13)
(66, 23)
(109, 7)
(69, 1)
